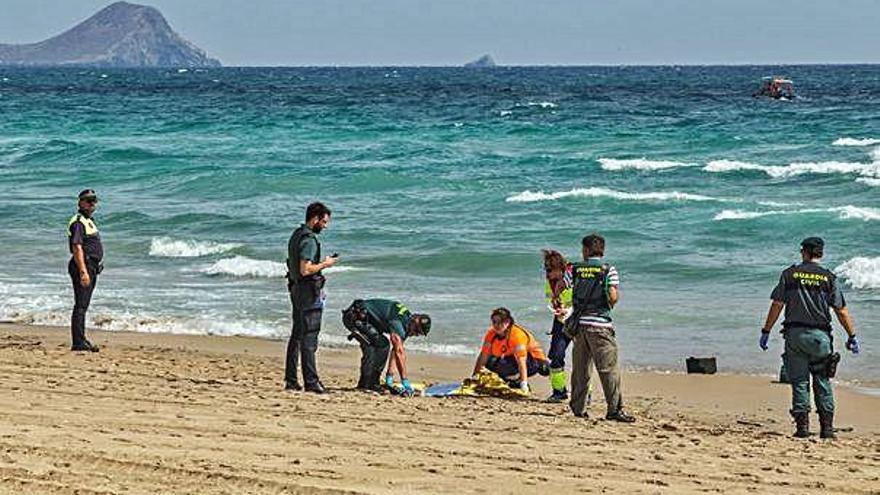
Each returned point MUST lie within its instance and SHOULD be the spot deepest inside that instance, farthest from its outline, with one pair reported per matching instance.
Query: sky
(514, 32)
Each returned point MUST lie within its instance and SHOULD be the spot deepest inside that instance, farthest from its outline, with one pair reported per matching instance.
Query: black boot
(802, 423)
(826, 423)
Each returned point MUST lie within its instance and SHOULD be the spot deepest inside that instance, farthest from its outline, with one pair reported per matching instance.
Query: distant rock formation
(121, 35)
(484, 61)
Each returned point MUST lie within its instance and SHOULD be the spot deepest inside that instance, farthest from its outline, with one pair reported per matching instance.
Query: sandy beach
(155, 413)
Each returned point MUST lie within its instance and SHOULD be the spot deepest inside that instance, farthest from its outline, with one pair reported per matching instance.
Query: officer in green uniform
(595, 292)
(806, 291)
(369, 321)
(87, 253)
(306, 287)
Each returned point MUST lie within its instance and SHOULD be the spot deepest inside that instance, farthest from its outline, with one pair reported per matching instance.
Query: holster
(572, 323)
(95, 265)
(826, 367)
(307, 291)
(356, 320)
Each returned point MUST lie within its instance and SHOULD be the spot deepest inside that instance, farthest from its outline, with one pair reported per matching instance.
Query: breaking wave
(171, 248)
(794, 169)
(601, 192)
(861, 272)
(847, 212)
(242, 266)
(848, 141)
(869, 181)
(614, 164)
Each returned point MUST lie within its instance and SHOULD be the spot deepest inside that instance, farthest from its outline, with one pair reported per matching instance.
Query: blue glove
(765, 336)
(389, 381)
(407, 388)
(853, 344)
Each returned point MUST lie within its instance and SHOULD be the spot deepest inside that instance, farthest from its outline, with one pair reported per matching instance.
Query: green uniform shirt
(388, 316)
(303, 245)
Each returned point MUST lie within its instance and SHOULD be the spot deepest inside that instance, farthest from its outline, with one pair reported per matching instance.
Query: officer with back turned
(806, 291)
(84, 242)
(306, 287)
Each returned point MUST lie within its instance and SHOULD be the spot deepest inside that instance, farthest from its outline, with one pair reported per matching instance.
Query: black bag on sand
(705, 366)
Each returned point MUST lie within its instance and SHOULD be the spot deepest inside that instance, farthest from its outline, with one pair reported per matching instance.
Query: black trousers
(373, 359)
(82, 297)
(303, 344)
(508, 368)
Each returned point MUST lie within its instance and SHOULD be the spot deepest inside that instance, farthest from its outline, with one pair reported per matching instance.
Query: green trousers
(805, 353)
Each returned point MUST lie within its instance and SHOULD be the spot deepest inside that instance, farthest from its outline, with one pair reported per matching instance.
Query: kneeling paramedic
(369, 320)
(806, 291)
(511, 352)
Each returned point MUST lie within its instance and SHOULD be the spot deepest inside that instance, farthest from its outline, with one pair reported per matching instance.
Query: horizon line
(461, 66)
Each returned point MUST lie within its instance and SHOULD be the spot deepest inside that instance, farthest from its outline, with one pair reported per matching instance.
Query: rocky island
(121, 35)
(484, 61)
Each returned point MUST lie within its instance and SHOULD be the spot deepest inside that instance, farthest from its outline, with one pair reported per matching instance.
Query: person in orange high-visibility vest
(511, 351)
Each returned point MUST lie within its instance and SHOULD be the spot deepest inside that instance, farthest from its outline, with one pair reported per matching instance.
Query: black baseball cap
(88, 194)
(813, 243)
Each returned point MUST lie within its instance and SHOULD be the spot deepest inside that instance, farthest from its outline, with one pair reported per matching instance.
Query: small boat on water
(778, 88)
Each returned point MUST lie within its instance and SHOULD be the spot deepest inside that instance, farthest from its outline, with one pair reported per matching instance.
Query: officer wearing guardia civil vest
(806, 291)
(306, 287)
(595, 292)
(87, 253)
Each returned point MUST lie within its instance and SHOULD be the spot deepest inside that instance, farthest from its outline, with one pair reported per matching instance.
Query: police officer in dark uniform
(306, 287)
(84, 242)
(806, 291)
(369, 321)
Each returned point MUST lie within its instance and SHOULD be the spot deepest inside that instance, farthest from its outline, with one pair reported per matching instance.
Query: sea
(445, 185)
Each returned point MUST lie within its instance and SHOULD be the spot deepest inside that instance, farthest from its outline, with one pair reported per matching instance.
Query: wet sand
(184, 414)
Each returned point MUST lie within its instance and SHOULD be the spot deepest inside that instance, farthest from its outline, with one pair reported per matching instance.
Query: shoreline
(205, 414)
(870, 387)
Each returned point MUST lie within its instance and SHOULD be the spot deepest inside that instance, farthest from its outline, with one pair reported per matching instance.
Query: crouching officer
(369, 320)
(84, 242)
(806, 291)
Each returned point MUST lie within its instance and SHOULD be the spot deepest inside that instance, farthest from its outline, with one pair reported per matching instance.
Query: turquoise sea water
(445, 184)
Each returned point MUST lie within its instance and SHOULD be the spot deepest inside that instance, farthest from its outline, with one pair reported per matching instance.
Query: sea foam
(847, 212)
(601, 192)
(171, 248)
(614, 164)
(848, 141)
(861, 272)
(869, 181)
(795, 169)
(242, 266)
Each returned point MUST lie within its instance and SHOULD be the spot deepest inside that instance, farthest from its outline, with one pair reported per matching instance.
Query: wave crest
(795, 169)
(869, 181)
(242, 266)
(848, 141)
(166, 247)
(601, 192)
(861, 272)
(847, 212)
(614, 164)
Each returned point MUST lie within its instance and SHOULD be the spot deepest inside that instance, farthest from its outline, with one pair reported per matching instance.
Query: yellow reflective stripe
(88, 223)
(401, 309)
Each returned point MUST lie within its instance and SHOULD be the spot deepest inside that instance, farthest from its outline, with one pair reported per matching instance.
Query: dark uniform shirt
(388, 316)
(808, 291)
(83, 231)
(303, 245)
